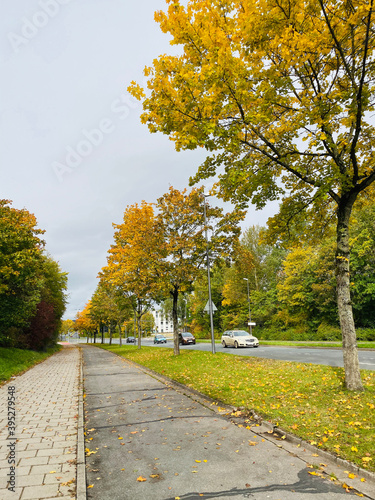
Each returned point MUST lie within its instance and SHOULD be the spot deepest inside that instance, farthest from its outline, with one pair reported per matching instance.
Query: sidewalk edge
(81, 464)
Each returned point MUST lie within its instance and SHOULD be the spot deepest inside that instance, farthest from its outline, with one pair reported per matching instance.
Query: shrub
(328, 332)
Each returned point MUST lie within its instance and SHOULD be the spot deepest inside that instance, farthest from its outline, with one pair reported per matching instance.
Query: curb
(81, 464)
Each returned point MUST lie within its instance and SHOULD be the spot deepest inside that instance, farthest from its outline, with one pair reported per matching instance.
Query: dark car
(130, 340)
(186, 338)
(160, 339)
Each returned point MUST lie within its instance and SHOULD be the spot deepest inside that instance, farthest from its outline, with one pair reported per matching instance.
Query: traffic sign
(207, 307)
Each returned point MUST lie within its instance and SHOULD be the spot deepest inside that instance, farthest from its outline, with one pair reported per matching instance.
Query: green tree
(363, 265)
(45, 324)
(281, 92)
(200, 321)
(260, 263)
(20, 270)
(182, 238)
(148, 322)
(307, 288)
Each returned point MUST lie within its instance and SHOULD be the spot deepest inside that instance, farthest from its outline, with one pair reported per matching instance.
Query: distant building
(163, 324)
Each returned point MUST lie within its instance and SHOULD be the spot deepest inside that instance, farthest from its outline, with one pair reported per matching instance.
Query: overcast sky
(73, 150)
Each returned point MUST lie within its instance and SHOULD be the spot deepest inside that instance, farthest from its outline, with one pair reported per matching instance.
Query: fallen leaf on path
(140, 479)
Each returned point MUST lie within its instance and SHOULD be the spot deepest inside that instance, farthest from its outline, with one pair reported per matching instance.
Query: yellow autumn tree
(84, 322)
(183, 243)
(133, 260)
(280, 93)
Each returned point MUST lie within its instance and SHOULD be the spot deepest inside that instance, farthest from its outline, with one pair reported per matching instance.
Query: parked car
(160, 339)
(238, 338)
(130, 340)
(186, 338)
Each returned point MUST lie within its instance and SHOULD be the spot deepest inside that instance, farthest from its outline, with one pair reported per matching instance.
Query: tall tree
(109, 308)
(261, 265)
(283, 91)
(45, 324)
(21, 280)
(182, 230)
(133, 259)
(84, 322)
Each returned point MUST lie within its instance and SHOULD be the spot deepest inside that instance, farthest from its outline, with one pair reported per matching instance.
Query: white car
(238, 338)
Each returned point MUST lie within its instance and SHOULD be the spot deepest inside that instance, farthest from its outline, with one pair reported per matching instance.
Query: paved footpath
(146, 439)
(150, 440)
(46, 426)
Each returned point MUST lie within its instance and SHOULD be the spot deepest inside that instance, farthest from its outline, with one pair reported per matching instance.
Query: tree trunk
(138, 320)
(119, 333)
(110, 334)
(353, 380)
(176, 346)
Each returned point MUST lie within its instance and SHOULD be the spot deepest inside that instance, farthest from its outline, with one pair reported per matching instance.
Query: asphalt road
(330, 357)
(145, 440)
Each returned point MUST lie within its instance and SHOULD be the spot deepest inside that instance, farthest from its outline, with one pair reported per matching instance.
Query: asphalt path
(147, 440)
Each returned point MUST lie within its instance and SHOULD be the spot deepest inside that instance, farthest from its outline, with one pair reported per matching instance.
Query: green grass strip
(16, 361)
(305, 399)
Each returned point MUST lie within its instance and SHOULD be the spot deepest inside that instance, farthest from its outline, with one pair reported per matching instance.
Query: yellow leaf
(90, 486)
(140, 479)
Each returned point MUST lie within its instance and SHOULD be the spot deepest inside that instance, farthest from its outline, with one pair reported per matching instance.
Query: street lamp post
(209, 279)
(248, 300)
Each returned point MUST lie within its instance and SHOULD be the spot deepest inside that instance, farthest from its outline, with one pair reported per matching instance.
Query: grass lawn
(304, 399)
(15, 361)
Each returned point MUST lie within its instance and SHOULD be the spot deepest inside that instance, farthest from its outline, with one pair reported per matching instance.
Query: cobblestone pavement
(44, 447)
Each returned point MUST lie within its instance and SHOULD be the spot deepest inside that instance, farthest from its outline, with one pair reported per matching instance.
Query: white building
(163, 324)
